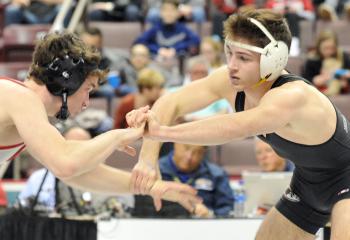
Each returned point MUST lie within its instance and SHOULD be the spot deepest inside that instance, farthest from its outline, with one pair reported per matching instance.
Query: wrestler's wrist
(160, 133)
(154, 187)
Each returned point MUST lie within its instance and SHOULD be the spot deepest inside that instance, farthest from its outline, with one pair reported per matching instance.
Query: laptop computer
(264, 189)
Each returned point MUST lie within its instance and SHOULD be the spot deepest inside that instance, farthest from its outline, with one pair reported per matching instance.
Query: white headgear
(274, 56)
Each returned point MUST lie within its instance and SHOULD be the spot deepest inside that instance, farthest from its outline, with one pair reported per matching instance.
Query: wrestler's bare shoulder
(15, 90)
(301, 90)
(16, 97)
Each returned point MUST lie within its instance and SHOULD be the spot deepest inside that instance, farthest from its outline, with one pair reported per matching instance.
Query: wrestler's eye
(243, 58)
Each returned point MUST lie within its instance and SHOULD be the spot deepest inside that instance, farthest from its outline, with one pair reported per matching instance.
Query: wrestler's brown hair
(237, 26)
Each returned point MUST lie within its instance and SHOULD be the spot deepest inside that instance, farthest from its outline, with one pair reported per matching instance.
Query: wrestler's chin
(237, 87)
(74, 113)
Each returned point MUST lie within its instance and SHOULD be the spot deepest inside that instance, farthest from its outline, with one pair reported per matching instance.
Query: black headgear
(64, 76)
(67, 74)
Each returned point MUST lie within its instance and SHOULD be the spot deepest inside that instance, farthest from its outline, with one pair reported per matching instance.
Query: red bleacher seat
(2, 17)
(307, 36)
(295, 65)
(118, 34)
(203, 30)
(342, 102)
(238, 155)
(16, 70)
(340, 27)
(19, 41)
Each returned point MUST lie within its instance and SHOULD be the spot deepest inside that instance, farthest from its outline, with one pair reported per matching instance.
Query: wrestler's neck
(257, 91)
(50, 102)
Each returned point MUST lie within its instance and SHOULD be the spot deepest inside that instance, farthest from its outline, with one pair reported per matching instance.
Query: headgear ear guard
(274, 56)
(64, 77)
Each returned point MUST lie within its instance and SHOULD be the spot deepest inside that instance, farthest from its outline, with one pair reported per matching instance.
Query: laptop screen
(264, 189)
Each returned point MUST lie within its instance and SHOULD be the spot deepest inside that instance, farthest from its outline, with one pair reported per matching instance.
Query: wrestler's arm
(275, 110)
(167, 109)
(112, 181)
(64, 158)
(188, 99)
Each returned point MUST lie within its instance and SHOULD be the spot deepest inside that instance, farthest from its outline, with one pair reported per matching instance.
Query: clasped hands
(145, 178)
(144, 118)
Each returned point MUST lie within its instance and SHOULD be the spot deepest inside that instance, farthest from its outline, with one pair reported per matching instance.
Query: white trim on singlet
(8, 153)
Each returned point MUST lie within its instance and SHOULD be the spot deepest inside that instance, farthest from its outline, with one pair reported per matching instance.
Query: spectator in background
(223, 9)
(211, 48)
(268, 159)
(150, 84)
(93, 37)
(169, 38)
(189, 10)
(117, 10)
(326, 12)
(197, 68)
(190, 164)
(128, 68)
(121, 79)
(331, 10)
(33, 12)
(328, 66)
(294, 11)
(346, 10)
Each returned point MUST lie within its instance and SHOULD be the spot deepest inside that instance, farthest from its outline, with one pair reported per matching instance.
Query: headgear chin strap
(64, 77)
(63, 114)
(274, 56)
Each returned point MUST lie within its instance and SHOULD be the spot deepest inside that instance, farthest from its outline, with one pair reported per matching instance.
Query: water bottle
(240, 198)
(113, 79)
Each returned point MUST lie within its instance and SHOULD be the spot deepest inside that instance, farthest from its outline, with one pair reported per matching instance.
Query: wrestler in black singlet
(322, 172)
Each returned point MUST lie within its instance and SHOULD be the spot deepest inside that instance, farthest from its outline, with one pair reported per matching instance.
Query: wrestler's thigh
(276, 227)
(340, 221)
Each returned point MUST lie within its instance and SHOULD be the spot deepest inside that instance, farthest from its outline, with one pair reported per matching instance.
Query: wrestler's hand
(127, 136)
(137, 117)
(153, 127)
(183, 194)
(202, 211)
(143, 177)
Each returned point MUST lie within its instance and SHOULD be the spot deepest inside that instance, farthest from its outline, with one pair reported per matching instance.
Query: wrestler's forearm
(103, 179)
(149, 151)
(112, 181)
(86, 155)
(212, 131)
(165, 111)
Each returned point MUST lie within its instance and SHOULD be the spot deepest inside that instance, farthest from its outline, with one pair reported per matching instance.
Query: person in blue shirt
(169, 37)
(190, 164)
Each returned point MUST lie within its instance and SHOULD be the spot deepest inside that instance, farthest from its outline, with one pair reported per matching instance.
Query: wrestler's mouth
(234, 79)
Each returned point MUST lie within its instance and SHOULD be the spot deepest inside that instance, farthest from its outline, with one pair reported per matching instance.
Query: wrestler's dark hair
(176, 3)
